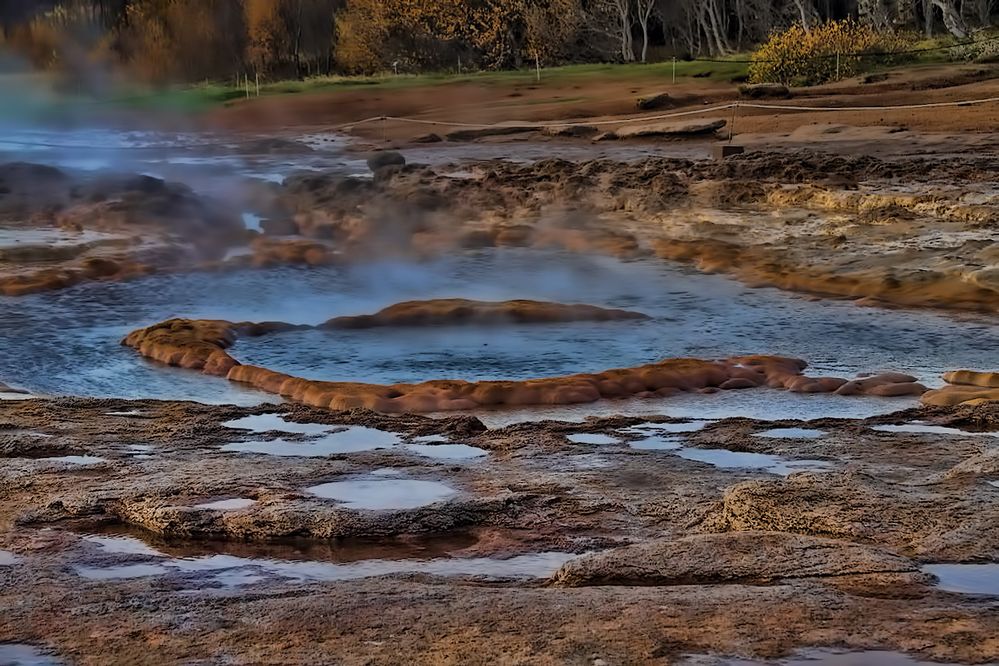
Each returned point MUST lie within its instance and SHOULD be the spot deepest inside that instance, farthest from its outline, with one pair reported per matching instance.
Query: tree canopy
(193, 40)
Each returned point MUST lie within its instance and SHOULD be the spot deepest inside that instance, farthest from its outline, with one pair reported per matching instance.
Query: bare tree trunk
(645, 9)
(952, 18)
(928, 17)
(713, 22)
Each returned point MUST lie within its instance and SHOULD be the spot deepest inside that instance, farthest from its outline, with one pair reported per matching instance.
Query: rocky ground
(122, 553)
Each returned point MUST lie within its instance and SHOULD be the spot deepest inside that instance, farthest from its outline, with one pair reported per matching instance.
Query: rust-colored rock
(202, 345)
(451, 311)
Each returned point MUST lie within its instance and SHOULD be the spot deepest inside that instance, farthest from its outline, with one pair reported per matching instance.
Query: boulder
(660, 101)
(387, 158)
(677, 129)
(764, 90)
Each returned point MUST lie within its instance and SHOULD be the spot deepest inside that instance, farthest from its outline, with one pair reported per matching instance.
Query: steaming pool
(67, 342)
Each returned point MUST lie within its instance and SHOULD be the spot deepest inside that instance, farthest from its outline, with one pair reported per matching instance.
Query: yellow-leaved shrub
(797, 56)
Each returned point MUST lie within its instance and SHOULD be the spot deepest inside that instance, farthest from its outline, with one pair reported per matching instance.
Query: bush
(808, 57)
(985, 48)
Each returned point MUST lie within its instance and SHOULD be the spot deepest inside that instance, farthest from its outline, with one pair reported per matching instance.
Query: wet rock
(973, 378)
(311, 518)
(965, 387)
(383, 159)
(736, 557)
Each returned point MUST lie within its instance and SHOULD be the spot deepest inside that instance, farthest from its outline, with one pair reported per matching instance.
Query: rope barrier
(678, 114)
(537, 125)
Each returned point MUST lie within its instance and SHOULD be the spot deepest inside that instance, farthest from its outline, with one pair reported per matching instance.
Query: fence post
(674, 69)
(837, 66)
(537, 64)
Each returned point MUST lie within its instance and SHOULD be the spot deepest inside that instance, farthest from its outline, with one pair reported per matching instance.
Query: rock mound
(734, 557)
(674, 129)
(455, 311)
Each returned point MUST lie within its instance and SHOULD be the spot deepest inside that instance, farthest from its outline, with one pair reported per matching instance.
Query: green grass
(208, 95)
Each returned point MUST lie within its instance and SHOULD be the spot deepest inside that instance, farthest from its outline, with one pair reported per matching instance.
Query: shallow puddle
(15, 654)
(131, 412)
(649, 428)
(966, 578)
(725, 459)
(231, 571)
(77, 460)
(592, 438)
(8, 559)
(235, 504)
(383, 493)
(658, 444)
(791, 433)
(245, 564)
(447, 451)
(929, 429)
(276, 422)
(352, 440)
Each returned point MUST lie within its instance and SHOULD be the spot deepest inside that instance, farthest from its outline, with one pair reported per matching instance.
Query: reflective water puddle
(929, 429)
(8, 559)
(591, 438)
(349, 562)
(14, 654)
(131, 412)
(447, 451)
(231, 571)
(649, 428)
(658, 444)
(725, 459)
(77, 460)
(791, 433)
(352, 440)
(966, 578)
(276, 422)
(235, 504)
(383, 493)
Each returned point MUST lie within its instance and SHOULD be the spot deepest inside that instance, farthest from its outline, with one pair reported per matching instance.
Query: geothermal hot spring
(67, 342)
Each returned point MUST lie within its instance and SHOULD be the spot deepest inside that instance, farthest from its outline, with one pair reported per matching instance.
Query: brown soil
(600, 99)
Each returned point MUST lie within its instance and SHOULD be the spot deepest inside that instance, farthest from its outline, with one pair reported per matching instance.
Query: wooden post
(537, 64)
(674, 69)
(256, 75)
